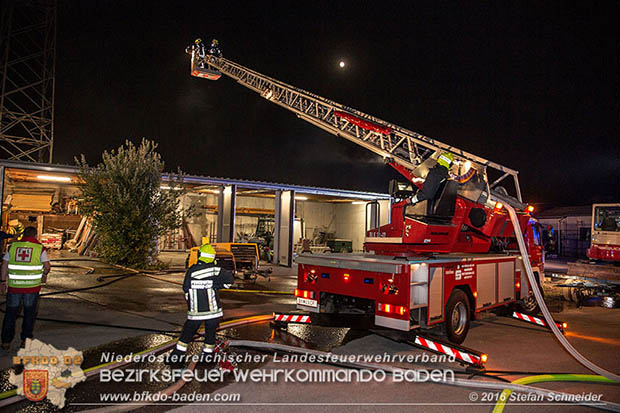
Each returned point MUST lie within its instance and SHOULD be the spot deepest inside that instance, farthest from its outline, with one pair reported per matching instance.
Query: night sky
(531, 85)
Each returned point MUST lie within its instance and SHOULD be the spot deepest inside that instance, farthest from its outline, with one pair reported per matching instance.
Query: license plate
(306, 302)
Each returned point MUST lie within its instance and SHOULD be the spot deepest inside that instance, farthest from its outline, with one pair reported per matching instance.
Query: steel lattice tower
(28, 47)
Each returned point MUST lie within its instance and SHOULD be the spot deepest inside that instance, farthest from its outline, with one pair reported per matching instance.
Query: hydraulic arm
(448, 224)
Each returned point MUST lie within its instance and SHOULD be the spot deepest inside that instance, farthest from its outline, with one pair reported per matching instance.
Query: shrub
(129, 209)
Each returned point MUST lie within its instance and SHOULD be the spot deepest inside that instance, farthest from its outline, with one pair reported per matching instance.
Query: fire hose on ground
(117, 277)
(10, 397)
(229, 290)
(521, 387)
(543, 307)
(518, 385)
(457, 382)
(543, 378)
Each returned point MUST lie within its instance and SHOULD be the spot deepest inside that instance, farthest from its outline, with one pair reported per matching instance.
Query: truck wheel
(529, 304)
(457, 317)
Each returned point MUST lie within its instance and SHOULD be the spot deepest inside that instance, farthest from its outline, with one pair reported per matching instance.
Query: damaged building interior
(280, 219)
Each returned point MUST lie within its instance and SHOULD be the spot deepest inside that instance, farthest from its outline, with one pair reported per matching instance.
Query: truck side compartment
(405, 294)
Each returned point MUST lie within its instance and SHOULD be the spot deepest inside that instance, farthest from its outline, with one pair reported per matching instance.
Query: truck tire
(529, 304)
(458, 317)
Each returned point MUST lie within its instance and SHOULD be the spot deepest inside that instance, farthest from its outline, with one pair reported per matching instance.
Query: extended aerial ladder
(476, 180)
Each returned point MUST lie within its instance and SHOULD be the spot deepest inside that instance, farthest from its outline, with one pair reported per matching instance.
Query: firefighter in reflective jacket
(200, 49)
(202, 281)
(214, 49)
(435, 177)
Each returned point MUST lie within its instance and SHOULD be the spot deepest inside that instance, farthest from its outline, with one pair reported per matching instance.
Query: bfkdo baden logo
(36, 384)
(48, 372)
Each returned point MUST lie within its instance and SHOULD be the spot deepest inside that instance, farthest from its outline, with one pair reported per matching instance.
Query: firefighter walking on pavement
(201, 285)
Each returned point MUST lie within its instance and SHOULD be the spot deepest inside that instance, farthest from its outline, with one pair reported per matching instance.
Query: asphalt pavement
(126, 307)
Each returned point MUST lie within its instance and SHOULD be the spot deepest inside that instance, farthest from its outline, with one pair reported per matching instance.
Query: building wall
(205, 223)
(351, 222)
(317, 217)
(344, 220)
(246, 225)
(59, 192)
(572, 234)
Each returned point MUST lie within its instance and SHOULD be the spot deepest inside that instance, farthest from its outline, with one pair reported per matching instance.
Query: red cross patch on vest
(23, 254)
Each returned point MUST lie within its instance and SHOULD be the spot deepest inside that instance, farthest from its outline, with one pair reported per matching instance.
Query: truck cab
(533, 241)
(605, 244)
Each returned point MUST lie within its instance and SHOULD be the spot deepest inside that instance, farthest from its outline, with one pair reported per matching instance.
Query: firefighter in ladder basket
(214, 49)
(200, 49)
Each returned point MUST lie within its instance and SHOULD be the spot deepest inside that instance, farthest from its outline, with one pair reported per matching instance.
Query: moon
(341, 64)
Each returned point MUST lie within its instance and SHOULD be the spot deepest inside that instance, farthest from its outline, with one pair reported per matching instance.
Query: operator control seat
(440, 210)
(444, 206)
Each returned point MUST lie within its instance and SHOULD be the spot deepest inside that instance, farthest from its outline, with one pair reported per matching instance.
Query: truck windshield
(607, 218)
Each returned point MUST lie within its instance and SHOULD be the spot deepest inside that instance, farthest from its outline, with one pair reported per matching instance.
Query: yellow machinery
(234, 256)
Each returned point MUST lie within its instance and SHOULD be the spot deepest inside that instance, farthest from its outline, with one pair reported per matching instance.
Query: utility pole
(28, 53)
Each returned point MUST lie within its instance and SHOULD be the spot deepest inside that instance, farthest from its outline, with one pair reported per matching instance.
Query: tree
(123, 196)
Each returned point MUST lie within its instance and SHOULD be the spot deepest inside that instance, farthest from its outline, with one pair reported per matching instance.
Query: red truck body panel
(397, 287)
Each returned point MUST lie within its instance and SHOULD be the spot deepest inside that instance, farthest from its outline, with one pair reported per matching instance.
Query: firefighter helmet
(206, 253)
(15, 229)
(445, 159)
(198, 41)
(215, 42)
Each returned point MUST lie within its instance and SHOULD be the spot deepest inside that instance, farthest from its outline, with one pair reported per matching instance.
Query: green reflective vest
(25, 266)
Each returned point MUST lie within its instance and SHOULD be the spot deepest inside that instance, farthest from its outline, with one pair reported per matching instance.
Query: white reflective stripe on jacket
(25, 267)
(25, 277)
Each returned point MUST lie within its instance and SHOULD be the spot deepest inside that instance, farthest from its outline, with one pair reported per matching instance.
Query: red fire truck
(418, 288)
(440, 261)
(415, 291)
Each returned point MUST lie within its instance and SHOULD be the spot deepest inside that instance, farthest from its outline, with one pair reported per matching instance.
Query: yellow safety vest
(25, 266)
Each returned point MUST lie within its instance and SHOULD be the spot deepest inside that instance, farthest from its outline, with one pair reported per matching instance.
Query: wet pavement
(140, 302)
